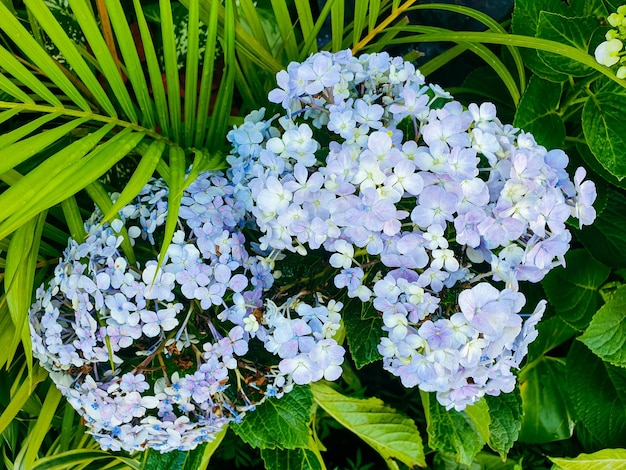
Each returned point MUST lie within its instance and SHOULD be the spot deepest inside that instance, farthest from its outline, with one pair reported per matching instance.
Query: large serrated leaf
(596, 399)
(552, 332)
(606, 238)
(606, 334)
(363, 331)
(174, 460)
(525, 21)
(546, 416)
(279, 423)
(451, 431)
(537, 112)
(573, 32)
(292, 459)
(606, 459)
(603, 126)
(573, 291)
(506, 414)
(391, 434)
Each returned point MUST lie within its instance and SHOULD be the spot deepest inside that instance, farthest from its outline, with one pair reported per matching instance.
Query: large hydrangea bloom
(159, 355)
(431, 211)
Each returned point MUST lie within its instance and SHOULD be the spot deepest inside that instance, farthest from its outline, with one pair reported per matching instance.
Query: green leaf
(21, 395)
(603, 126)
(7, 86)
(573, 291)
(206, 77)
(38, 433)
(553, 332)
(16, 153)
(525, 21)
(506, 414)
(10, 25)
(606, 335)
(26, 189)
(592, 163)
(589, 8)
(279, 423)
(142, 174)
(8, 138)
(70, 52)
(451, 431)
(537, 112)
(285, 27)
(174, 460)
(75, 457)
(388, 432)
(597, 400)
(574, 32)
(546, 416)
(606, 459)
(37, 197)
(191, 71)
(154, 70)
(19, 275)
(171, 66)
(363, 331)
(130, 54)
(187, 460)
(606, 238)
(176, 186)
(291, 459)
(479, 414)
(108, 66)
(208, 449)
(7, 337)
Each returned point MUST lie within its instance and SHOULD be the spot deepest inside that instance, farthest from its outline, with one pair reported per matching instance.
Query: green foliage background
(101, 95)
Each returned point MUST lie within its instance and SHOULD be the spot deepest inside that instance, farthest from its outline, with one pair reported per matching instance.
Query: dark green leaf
(614, 4)
(552, 332)
(525, 21)
(573, 291)
(174, 460)
(537, 112)
(606, 238)
(595, 398)
(178, 460)
(546, 416)
(391, 434)
(573, 32)
(291, 459)
(363, 331)
(606, 335)
(451, 431)
(588, 8)
(603, 126)
(506, 414)
(281, 423)
(592, 163)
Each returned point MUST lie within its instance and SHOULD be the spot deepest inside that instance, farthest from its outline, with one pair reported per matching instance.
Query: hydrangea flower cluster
(431, 211)
(163, 355)
(611, 51)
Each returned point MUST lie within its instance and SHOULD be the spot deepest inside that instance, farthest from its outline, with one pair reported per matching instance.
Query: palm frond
(71, 115)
